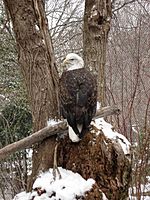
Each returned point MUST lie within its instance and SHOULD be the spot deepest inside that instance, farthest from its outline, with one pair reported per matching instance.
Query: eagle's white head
(73, 61)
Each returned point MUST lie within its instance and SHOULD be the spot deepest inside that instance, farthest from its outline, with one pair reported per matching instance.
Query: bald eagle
(78, 96)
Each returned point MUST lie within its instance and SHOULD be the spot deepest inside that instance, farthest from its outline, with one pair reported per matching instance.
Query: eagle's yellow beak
(65, 62)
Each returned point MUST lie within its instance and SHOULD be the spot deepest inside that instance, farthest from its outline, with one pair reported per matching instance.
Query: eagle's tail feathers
(73, 136)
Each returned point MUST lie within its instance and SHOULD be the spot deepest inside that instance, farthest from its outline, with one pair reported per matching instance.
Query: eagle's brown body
(78, 98)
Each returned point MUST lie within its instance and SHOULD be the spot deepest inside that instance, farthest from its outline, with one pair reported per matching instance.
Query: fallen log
(48, 131)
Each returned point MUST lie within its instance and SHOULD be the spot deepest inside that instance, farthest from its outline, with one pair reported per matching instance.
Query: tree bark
(97, 20)
(39, 72)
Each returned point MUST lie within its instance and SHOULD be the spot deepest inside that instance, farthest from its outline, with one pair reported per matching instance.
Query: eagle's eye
(72, 59)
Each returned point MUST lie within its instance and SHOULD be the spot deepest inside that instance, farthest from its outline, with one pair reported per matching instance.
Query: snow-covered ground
(67, 188)
(142, 198)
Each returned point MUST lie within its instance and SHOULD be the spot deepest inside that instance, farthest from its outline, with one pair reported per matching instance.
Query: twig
(55, 167)
(124, 4)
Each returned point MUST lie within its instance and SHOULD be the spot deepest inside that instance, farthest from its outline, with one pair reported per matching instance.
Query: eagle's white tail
(72, 135)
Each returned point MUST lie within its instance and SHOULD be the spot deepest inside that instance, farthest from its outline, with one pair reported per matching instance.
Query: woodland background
(127, 82)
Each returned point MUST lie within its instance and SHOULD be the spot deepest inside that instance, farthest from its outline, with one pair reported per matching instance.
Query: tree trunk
(97, 19)
(99, 158)
(39, 72)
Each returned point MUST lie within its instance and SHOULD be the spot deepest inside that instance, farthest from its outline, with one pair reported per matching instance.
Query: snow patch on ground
(67, 188)
(108, 131)
(142, 198)
(144, 189)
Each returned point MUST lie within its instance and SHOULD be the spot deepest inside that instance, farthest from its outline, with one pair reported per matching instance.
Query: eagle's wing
(78, 93)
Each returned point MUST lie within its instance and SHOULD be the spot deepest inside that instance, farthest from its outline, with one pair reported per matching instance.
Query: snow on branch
(48, 131)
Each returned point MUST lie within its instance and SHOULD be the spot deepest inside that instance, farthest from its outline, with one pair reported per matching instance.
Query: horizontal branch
(48, 131)
(107, 111)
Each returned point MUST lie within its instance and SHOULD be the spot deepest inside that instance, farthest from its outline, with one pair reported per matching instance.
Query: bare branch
(107, 111)
(32, 139)
(124, 4)
(47, 132)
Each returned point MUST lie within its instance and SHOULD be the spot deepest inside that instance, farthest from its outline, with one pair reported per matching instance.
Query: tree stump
(100, 158)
